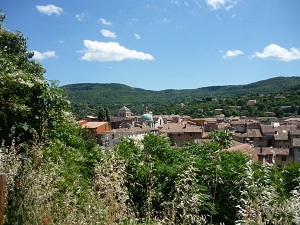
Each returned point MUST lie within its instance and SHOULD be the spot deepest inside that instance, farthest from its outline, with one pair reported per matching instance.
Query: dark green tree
(107, 114)
(101, 114)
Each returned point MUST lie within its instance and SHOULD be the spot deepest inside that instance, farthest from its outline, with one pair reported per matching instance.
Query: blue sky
(160, 44)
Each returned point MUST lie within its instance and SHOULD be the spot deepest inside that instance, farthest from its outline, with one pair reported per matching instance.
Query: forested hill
(87, 97)
(94, 93)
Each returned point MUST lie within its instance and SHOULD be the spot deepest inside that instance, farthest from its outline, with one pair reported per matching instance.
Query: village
(265, 139)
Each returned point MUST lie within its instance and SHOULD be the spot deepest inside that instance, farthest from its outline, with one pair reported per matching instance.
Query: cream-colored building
(112, 137)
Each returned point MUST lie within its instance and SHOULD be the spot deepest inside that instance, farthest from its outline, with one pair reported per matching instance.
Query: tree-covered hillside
(87, 98)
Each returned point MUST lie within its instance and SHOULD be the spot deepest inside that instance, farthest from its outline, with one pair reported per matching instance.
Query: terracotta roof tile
(281, 134)
(271, 151)
(180, 128)
(131, 130)
(93, 124)
(267, 129)
(245, 148)
(254, 133)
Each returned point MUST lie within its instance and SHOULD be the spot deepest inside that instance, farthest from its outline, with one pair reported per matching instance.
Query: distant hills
(116, 95)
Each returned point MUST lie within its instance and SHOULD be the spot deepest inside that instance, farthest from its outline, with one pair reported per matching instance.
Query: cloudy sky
(160, 44)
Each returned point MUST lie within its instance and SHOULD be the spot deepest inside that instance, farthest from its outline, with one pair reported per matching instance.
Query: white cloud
(107, 33)
(39, 56)
(80, 17)
(233, 53)
(104, 22)
(217, 4)
(110, 51)
(276, 52)
(137, 37)
(49, 9)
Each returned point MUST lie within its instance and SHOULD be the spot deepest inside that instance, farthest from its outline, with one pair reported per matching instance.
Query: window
(283, 158)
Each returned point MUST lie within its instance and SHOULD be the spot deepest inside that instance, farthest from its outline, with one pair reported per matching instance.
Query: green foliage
(275, 92)
(155, 170)
(29, 105)
(47, 157)
(152, 170)
(223, 139)
(107, 114)
(101, 114)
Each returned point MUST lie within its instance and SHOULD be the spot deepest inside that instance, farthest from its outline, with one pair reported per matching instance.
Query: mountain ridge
(256, 84)
(115, 95)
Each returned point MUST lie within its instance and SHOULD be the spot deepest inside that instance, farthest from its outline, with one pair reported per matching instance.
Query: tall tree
(107, 114)
(30, 106)
(101, 114)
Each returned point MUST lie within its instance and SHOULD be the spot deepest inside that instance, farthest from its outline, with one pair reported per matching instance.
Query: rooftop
(93, 124)
(180, 128)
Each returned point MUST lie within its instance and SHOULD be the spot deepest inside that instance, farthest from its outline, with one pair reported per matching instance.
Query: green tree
(223, 139)
(29, 105)
(101, 114)
(107, 114)
(50, 162)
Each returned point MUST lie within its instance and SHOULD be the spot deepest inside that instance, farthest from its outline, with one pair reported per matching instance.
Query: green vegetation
(270, 94)
(56, 176)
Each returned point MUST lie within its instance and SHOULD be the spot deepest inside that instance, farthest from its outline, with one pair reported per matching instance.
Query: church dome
(146, 117)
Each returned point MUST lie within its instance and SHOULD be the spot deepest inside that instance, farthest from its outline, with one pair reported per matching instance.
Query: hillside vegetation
(86, 98)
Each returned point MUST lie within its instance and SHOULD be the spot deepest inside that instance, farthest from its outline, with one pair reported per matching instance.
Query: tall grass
(261, 203)
(110, 190)
(187, 205)
(43, 190)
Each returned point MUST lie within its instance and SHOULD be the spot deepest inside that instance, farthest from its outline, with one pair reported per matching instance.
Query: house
(246, 130)
(251, 102)
(281, 138)
(112, 137)
(268, 132)
(278, 156)
(199, 122)
(181, 132)
(296, 149)
(210, 124)
(240, 126)
(159, 121)
(96, 130)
